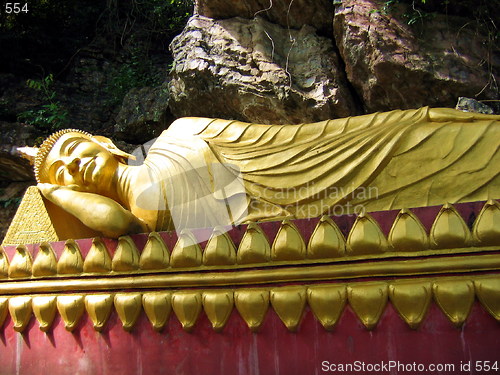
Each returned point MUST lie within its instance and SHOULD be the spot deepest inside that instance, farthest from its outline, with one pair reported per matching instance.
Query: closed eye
(72, 147)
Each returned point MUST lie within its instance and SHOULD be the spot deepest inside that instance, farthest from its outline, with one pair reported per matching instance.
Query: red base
(273, 350)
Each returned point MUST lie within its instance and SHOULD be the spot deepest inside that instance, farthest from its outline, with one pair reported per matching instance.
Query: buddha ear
(108, 143)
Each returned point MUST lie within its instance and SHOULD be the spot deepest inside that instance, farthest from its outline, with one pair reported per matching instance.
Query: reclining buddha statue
(205, 172)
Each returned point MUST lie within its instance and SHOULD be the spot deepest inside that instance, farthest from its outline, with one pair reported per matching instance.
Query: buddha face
(76, 160)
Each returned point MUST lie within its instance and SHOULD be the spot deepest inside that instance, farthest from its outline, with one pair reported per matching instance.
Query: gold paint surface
(128, 307)
(455, 299)
(252, 304)
(71, 308)
(98, 259)
(218, 306)
(23, 229)
(187, 308)
(220, 249)
(327, 301)
(44, 308)
(486, 229)
(126, 257)
(98, 308)
(411, 300)
(4, 264)
(288, 243)
(20, 312)
(327, 241)
(488, 292)
(157, 306)
(449, 229)
(289, 304)
(45, 263)
(4, 306)
(408, 233)
(254, 246)
(71, 261)
(155, 255)
(21, 264)
(366, 237)
(368, 301)
(186, 252)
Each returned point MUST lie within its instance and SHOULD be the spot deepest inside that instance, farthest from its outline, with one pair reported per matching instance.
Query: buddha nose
(73, 166)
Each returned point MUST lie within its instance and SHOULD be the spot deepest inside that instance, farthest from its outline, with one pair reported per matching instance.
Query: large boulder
(394, 65)
(143, 114)
(253, 70)
(287, 13)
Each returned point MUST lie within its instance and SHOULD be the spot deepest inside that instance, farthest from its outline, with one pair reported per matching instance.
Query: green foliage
(137, 71)
(52, 115)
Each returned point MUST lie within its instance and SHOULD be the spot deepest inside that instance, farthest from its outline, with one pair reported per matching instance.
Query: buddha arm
(95, 211)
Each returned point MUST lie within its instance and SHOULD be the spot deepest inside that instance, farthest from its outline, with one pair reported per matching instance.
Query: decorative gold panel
(327, 301)
(411, 300)
(98, 259)
(128, 307)
(157, 306)
(486, 230)
(220, 249)
(254, 246)
(45, 263)
(4, 264)
(252, 304)
(4, 305)
(71, 261)
(289, 303)
(155, 255)
(366, 237)
(488, 292)
(20, 312)
(186, 252)
(368, 301)
(98, 307)
(326, 240)
(126, 256)
(408, 233)
(187, 308)
(44, 308)
(218, 306)
(288, 244)
(21, 264)
(449, 229)
(455, 299)
(71, 308)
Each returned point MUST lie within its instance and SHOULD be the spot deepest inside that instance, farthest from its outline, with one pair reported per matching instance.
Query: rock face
(393, 65)
(144, 114)
(253, 70)
(287, 13)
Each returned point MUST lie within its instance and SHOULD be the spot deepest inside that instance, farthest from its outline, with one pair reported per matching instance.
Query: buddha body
(206, 172)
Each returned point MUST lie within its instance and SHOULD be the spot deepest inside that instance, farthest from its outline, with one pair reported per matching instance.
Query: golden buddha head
(73, 157)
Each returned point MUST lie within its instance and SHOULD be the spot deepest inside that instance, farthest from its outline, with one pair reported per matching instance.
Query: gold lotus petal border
(407, 239)
(411, 299)
(333, 270)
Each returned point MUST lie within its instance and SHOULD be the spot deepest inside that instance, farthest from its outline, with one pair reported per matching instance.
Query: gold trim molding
(411, 299)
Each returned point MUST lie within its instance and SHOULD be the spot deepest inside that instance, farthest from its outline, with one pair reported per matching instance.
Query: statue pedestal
(391, 292)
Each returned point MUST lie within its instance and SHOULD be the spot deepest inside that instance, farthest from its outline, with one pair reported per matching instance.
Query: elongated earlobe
(108, 143)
